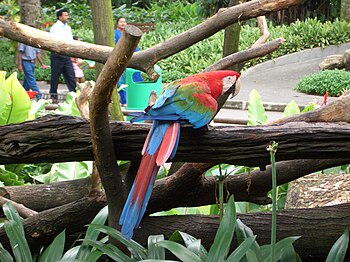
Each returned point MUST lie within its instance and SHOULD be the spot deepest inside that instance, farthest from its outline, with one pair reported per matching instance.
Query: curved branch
(145, 59)
(101, 138)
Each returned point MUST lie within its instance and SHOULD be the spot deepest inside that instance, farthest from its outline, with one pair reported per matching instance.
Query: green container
(137, 93)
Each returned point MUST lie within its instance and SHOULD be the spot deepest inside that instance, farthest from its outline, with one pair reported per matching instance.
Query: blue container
(137, 93)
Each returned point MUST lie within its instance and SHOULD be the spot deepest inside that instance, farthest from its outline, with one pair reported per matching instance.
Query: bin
(137, 93)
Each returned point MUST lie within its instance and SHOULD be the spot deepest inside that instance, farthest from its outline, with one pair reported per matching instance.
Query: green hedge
(333, 81)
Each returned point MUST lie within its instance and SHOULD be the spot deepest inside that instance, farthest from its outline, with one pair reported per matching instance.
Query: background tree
(30, 12)
(345, 10)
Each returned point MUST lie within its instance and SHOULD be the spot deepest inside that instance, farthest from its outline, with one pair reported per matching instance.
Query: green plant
(14, 101)
(333, 81)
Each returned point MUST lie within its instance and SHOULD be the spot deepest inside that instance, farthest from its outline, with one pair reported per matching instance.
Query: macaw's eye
(228, 82)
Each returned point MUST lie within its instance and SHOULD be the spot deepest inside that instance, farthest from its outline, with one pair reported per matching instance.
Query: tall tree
(103, 24)
(30, 12)
(345, 10)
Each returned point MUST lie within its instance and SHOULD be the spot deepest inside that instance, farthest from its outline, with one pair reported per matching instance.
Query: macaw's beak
(234, 90)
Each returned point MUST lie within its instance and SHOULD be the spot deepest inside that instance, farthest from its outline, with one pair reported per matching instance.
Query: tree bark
(345, 10)
(236, 145)
(103, 25)
(145, 59)
(102, 142)
(30, 12)
(43, 197)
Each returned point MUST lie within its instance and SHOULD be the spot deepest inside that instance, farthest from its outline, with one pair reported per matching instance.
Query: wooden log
(66, 138)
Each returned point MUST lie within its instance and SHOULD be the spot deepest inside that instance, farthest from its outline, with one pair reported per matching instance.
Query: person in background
(77, 62)
(26, 58)
(119, 27)
(61, 64)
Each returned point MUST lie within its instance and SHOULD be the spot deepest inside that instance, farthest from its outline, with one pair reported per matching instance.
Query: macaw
(190, 100)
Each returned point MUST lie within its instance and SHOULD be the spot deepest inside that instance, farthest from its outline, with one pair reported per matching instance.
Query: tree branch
(102, 143)
(145, 59)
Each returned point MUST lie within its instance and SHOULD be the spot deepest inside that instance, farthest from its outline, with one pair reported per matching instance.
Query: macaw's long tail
(160, 145)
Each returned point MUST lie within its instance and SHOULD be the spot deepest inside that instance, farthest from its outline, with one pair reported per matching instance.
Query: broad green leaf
(291, 109)
(338, 250)
(38, 109)
(224, 235)
(92, 233)
(5, 256)
(93, 256)
(256, 111)
(9, 178)
(241, 250)
(154, 251)
(136, 247)
(69, 107)
(54, 251)
(5, 100)
(109, 250)
(191, 243)
(15, 233)
(71, 254)
(20, 102)
(63, 172)
(180, 251)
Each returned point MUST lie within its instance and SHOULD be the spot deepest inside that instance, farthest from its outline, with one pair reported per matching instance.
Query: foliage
(333, 81)
(10, 9)
(14, 101)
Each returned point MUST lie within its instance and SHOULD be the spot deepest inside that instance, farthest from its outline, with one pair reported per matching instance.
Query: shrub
(333, 81)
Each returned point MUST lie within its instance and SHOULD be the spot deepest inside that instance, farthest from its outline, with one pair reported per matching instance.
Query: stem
(273, 148)
(221, 199)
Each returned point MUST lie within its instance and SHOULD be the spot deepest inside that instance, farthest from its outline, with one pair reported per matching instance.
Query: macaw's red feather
(168, 144)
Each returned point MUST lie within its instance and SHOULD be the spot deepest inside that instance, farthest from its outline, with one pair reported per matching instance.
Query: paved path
(275, 79)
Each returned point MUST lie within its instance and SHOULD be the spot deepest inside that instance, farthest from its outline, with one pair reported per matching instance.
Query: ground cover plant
(335, 82)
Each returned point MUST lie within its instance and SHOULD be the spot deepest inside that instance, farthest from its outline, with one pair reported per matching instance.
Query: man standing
(61, 64)
(26, 58)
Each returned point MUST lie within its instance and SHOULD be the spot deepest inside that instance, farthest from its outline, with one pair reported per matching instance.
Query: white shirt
(62, 31)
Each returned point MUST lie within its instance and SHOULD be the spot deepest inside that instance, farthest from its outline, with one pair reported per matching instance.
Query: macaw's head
(222, 82)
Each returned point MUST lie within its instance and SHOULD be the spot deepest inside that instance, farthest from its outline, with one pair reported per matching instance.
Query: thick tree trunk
(103, 25)
(345, 10)
(30, 12)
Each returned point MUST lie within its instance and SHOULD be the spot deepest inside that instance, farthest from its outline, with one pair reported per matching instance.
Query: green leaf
(54, 251)
(242, 233)
(241, 250)
(224, 235)
(180, 251)
(109, 250)
(338, 250)
(136, 247)
(20, 102)
(9, 178)
(191, 243)
(69, 107)
(63, 172)
(5, 256)
(279, 250)
(92, 233)
(15, 233)
(291, 109)
(154, 251)
(256, 110)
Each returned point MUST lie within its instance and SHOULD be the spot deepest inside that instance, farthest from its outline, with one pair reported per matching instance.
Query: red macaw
(190, 100)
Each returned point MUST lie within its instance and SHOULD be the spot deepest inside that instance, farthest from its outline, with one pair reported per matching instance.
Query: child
(77, 62)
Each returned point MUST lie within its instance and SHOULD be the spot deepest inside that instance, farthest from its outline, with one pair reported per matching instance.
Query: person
(26, 58)
(61, 64)
(119, 27)
(77, 62)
